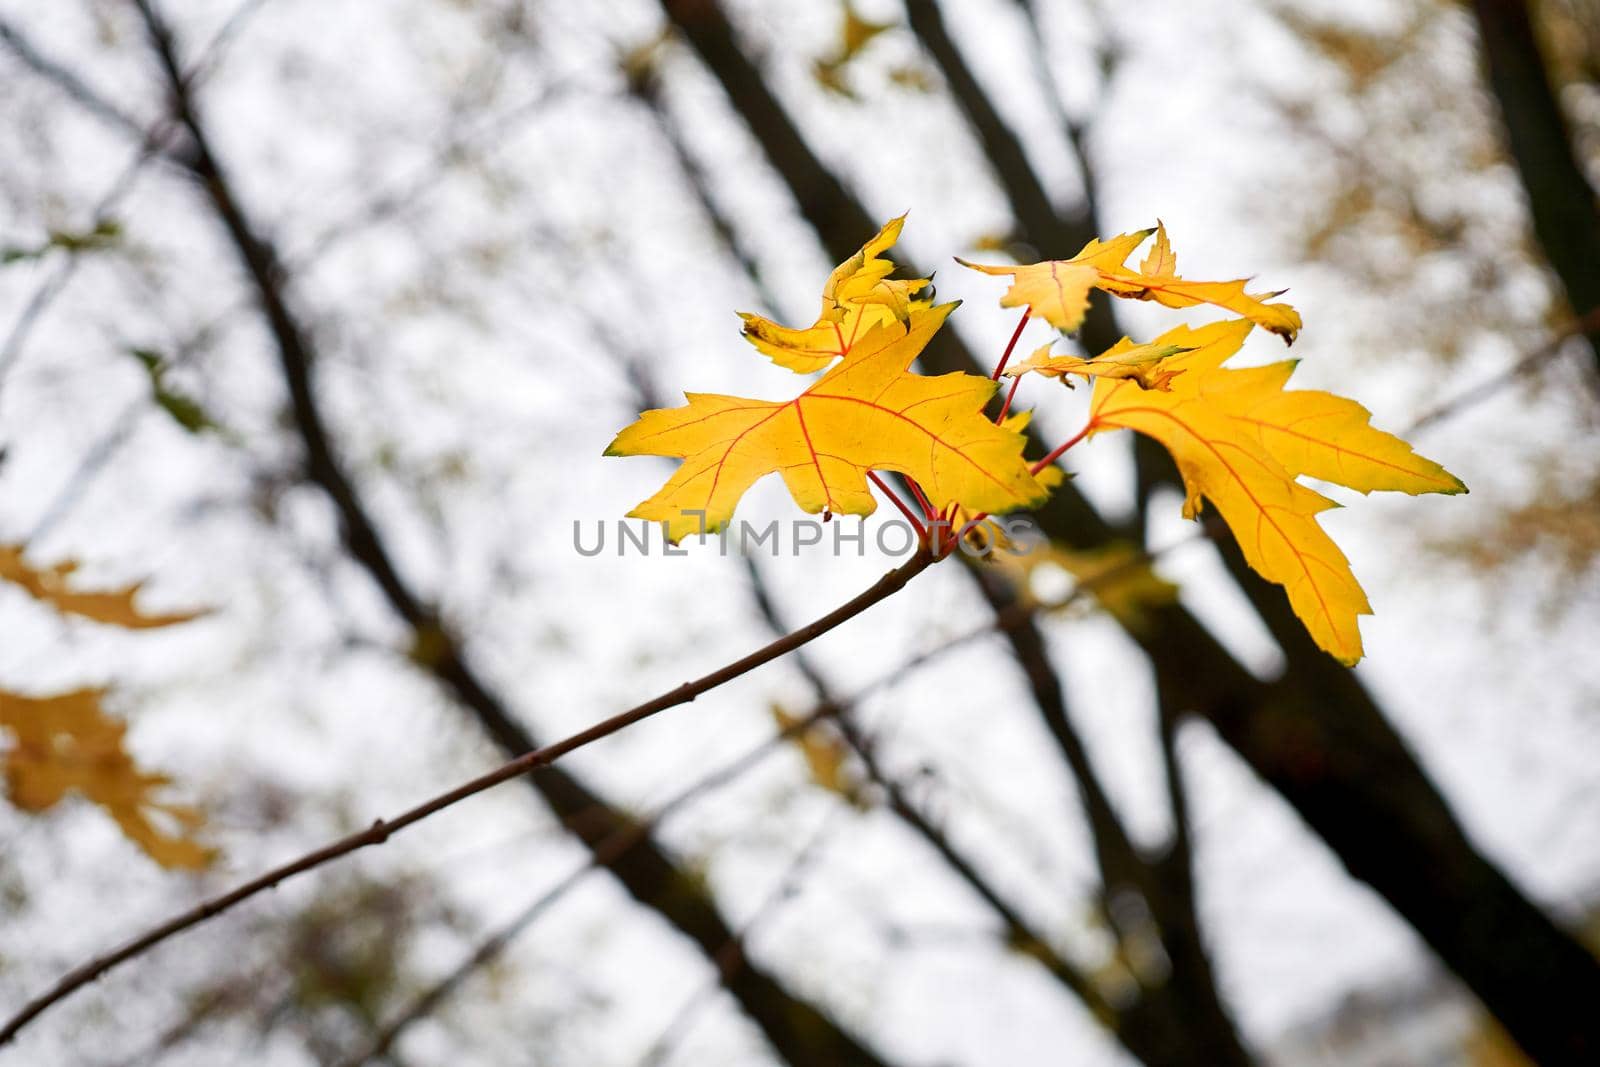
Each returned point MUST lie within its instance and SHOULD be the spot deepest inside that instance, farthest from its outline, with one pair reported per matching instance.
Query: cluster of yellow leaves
(1239, 437)
(1058, 290)
(66, 742)
(868, 413)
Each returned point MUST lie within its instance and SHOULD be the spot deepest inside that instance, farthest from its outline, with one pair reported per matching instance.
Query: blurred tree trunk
(1561, 202)
(1316, 735)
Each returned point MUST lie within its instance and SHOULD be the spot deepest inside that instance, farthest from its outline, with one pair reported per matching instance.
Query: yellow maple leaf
(67, 743)
(1240, 441)
(1145, 364)
(50, 585)
(868, 413)
(1058, 290)
(858, 295)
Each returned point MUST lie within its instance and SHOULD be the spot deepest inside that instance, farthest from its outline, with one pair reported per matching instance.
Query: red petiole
(1005, 356)
(894, 498)
(1060, 450)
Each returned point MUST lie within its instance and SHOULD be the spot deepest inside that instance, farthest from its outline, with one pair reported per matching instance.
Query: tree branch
(1561, 202)
(1018, 930)
(381, 830)
(613, 846)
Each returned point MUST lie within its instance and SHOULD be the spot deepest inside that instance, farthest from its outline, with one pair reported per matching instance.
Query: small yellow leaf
(1241, 441)
(824, 753)
(115, 608)
(857, 296)
(67, 743)
(1145, 364)
(1117, 575)
(1058, 290)
(855, 33)
(1121, 579)
(868, 413)
(1160, 261)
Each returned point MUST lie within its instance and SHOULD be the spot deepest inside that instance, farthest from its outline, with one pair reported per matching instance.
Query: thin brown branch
(381, 830)
(1587, 325)
(731, 957)
(1119, 862)
(1018, 931)
(617, 843)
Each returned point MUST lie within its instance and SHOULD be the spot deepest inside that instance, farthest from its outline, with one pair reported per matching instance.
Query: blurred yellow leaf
(913, 78)
(66, 743)
(1117, 575)
(824, 753)
(1120, 578)
(854, 34)
(114, 608)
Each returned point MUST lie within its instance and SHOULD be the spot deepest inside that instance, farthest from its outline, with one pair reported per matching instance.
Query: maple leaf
(1241, 441)
(1058, 290)
(858, 295)
(868, 413)
(1145, 364)
(67, 743)
(50, 585)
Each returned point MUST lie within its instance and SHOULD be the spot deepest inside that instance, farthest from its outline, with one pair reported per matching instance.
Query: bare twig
(85, 95)
(381, 830)
(153, 142)
(619, 842)
(731, 957)
(1581, 327)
